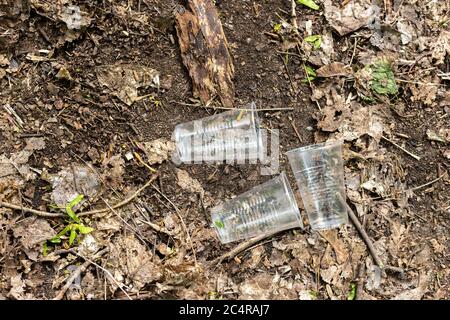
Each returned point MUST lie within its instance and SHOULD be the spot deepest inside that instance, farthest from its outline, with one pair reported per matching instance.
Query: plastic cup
(229, 136)
(319, 172)
(267, 208)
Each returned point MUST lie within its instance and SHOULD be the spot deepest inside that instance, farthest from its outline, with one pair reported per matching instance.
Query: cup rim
(290, 194)
(316, 146)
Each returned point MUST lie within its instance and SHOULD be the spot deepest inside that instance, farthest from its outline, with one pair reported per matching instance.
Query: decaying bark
(204, 49)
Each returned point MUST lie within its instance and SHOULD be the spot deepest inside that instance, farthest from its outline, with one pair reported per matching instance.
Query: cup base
(328, 224)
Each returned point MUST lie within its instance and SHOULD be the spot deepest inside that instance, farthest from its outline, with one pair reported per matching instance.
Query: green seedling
(309, 3)
(383, 80)
(352, 292)
(219, 224)
(315, 40)
(311, 74)
(74, 228)
(277, 27)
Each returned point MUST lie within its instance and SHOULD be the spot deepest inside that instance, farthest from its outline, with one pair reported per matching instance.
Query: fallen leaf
(132, 262)
(416, 293)
(334, 69)
(354, 15)
(338, 245)
(124, 80)
(33, 232)
(186, 182)
(443, 135)
(74, 181)
(158, 150)
(204, 50)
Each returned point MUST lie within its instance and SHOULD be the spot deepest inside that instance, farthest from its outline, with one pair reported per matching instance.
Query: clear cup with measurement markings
(319, 172)
(267, 208)
(232, 136)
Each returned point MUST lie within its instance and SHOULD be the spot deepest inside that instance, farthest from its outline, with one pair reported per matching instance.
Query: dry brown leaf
(124, 80)
(204, 49)
(186, 182)
(158, 150)
(354, 15)
(132, 263)
(73, 181)
(338, 245)
(416, 293)
(334, 69)
(33, 232)
(113, 171)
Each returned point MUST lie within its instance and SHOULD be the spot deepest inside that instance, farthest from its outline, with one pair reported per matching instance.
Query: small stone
(129, 156)
(309, 128)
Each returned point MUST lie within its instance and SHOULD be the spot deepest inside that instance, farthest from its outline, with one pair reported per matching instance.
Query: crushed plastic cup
(267, 208)
(232, 136)
(319, 172)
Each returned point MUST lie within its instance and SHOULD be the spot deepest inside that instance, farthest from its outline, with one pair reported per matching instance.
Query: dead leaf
(186, 182)
(113, 171)
(158, 150)
(338, 245)
(352, 16)
(204, 49)
(124, 80)
(33, 231)
(73, 181)
(260, 287)
(441, 47)
(443, 135)
(416, 293)
(35, 143)
(132, 263)
(334, 69)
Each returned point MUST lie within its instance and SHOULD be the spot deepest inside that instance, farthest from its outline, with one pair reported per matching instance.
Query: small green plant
(309, 3)
(277, 27)
(219, 224)
(315, 40)
(311, 74)
(352, 293)
(74, 228)
(383, 80)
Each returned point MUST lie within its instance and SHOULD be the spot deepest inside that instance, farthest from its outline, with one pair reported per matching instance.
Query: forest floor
(66, 126)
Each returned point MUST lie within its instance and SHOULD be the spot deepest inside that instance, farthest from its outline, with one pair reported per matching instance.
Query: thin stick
(296, 131)
(120, 285)
(241, 247)
(412, 189)
(365, 237)
(294, 17)
(401, 148)
(182, 221)
(76, 274)
(46, 214)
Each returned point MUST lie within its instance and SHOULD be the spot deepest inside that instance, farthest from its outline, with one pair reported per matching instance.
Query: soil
(81, 122)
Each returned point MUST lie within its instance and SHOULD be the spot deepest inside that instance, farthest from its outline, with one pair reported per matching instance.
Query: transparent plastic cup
(229, 136)
(319, 172)
(267, 208)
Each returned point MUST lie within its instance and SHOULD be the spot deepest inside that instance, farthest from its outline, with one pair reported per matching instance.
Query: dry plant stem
(365, 237)
(225, 108)
(182, 222)
(76, 274)
(294, 16)
(241, 247)
(120, 285)
(46, 214)
(401, 148)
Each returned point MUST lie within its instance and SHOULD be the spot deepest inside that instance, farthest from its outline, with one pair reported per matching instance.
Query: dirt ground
(57, 119)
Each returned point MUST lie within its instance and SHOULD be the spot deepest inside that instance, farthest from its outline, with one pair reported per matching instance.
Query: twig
(77, 273)
(294, 17)
(120, 285)
(401, 148)
(412, 189)
(182, 221)
(365, 237)
(46, 214)
(241, 247)
(156, 227)
(296, 131)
